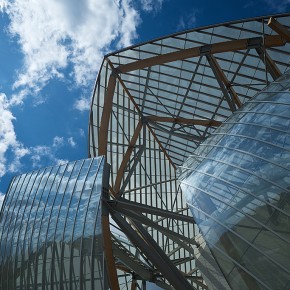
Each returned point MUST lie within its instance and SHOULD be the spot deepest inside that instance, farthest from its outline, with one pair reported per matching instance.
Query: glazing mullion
(71, 267)
(27, 221)
(62, 271)
(45, 244)
(14, 225)
(96, 172)
(54, 238)
(5, 220)
(33, 236)
(22, 252)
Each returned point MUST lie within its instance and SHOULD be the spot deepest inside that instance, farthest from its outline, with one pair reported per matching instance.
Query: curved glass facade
(50, 231)
(237, 185)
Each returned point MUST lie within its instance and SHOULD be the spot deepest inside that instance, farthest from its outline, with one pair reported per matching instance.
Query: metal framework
(153, 104)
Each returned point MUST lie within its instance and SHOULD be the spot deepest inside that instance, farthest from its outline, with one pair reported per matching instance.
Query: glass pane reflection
(50, 233)
(238, 188)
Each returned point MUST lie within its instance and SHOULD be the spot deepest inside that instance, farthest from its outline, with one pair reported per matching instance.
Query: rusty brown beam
(161, 147)
(108, 251)
(199, 122)
(226, 82)
(126, 158)
(279, 28)
(140, 114)
(226, 46)
(269, 63)
(106, 115)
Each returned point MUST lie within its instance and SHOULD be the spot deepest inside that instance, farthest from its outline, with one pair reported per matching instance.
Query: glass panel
(238, 187)
(46, 207)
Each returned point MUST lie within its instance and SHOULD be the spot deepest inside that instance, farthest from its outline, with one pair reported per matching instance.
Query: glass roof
(190, 87)
(156, 102)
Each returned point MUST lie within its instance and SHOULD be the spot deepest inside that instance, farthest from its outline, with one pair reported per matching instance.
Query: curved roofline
(197, 29)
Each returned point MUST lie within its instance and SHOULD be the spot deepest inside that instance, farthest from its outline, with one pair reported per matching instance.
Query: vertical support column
(108, 104)
(108, 247)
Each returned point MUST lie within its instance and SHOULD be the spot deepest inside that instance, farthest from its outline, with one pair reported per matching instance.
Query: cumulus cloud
(58, 141)
(54, 35)
(188, 21)
(44, 155)
(71, 142)
(151, 5)
(8, 140)
(82, 104)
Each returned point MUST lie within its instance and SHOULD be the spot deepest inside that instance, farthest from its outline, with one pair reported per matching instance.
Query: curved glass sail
(50, 231)
(237, 185)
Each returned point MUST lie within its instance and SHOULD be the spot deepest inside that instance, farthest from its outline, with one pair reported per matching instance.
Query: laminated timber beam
(110, 260)
(199, 122)
(269, 63)
(120, 173)
(226, 46)
(279, 28)
(108, 244)
(140, 113)
(220, 75)
(106, 115)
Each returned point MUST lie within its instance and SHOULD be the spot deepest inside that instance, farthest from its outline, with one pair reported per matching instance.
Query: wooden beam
(126, 158)
(141, 115)
(134, 284)
(106, 115)
(226, 46)
(279, 28)
(161, 147)
(108, 251)
(200, 122)
(226, 82)
(269, 63)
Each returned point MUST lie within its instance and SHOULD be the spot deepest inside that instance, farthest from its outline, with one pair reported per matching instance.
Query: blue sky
(50, 53)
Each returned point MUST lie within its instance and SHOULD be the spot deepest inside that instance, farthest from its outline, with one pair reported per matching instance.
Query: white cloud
(58, 141)
(44, 155)
(82, 132)
(278, 5)
(82, 104)
(1, 200)
(151, 5)
(188, 21)
(55, 34)
(71, 142)
(8, 140)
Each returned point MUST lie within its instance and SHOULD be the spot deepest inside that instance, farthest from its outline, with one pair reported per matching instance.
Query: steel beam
(141, 239)
(138, 207)
(226, 46)
(187, 136)
(199, 122)
(178, 238)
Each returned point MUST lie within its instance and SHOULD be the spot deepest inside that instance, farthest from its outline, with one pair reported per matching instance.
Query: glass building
(50, 236)
(237, 187)
(195, 129)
